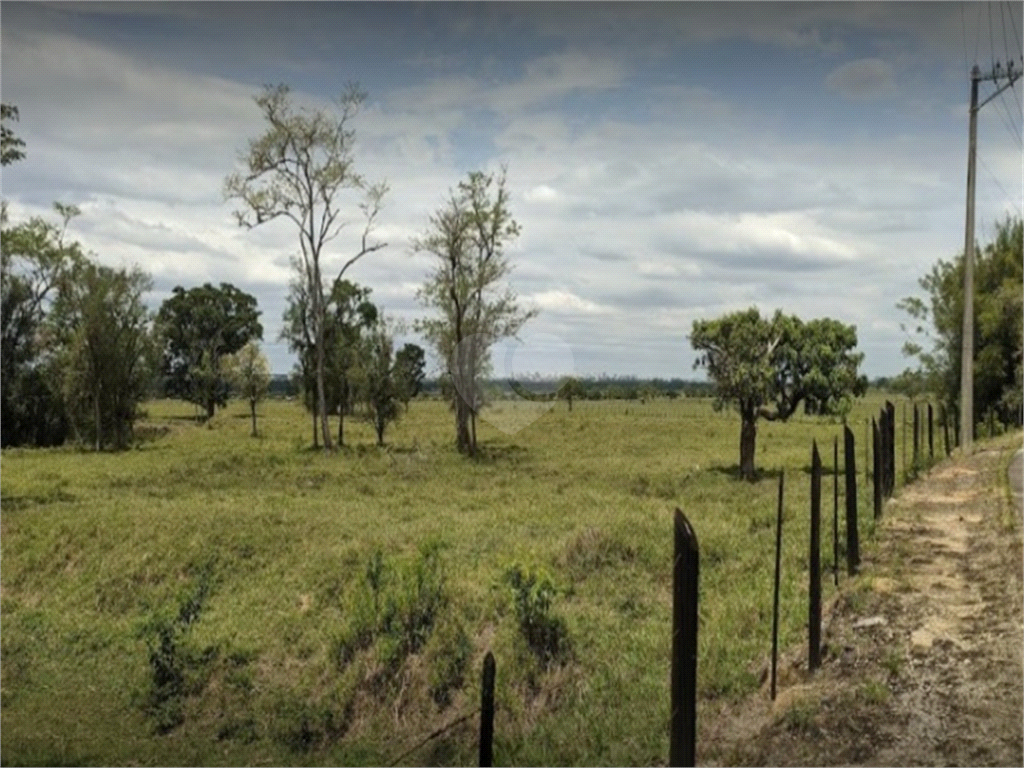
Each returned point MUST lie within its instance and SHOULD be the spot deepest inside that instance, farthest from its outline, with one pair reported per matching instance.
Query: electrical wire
(1001, 188)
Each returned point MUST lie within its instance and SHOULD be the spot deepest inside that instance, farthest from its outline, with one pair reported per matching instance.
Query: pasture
(214, 598)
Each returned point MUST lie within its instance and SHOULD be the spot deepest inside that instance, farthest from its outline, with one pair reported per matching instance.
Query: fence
(882, 457)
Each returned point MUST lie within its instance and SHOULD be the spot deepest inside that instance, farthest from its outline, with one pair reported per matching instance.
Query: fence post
(944, 415)
(852, 546)
(876, 469)
(917, 430)
(904, 431)
(775, 592)
(686, 571)
(931, 438)
(867, 444)
(487, 712)
(883, 450)
(835, 509)
(891, 412)
(814, 591)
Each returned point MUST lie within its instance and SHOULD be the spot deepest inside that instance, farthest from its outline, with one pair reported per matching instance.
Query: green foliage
(377, 379)
(249, 373)
(447, 657)
(10, 144)
(410, 366)
(467, 238)
(571, 389)
(765, 367)
(301, 169)
(198, 328)
(108, 357)
(177, 670)
(533, 591)
(935, 340)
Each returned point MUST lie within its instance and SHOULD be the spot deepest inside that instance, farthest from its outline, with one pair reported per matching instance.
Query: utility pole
(967, 343)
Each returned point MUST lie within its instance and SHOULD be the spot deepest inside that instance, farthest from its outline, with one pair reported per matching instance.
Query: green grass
(322, 637)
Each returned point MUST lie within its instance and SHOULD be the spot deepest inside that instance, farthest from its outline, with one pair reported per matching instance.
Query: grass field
(214, 598)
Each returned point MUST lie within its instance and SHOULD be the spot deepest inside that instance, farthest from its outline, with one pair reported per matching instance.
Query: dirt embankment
(923, 658)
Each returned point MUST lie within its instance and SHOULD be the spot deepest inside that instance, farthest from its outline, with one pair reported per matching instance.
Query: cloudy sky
(667, 162)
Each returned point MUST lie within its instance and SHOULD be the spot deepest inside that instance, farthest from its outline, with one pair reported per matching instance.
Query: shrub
(545, 633)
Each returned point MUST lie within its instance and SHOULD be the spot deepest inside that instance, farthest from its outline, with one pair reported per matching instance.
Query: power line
(1001, 188)
(963, 29)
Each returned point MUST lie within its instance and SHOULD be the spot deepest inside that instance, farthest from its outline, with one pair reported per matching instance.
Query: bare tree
(301, 169)
(468, 236)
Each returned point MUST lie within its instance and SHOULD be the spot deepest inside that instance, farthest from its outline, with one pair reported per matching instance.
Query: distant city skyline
(667, 162)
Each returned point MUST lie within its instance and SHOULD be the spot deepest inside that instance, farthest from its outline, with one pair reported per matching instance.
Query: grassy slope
(94, 545)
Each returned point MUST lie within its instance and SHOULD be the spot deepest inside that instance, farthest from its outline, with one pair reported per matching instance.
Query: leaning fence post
(852, 546)
(876, 468)
(903, 429)
(835, 509)
(683, 736)
(487, 712)
(814, 609)
(775, 593)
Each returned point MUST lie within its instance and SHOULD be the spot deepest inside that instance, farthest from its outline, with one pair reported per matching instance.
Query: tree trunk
(748, 442)
(211, 408)
(252, 405)
(320, 312)
(472, 433)
(341, 426)
(380, 424)
(99, 425)
(570, 404)
(462, 437)
(316, 436)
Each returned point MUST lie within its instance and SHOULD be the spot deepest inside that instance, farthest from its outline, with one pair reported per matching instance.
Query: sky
(666, 162)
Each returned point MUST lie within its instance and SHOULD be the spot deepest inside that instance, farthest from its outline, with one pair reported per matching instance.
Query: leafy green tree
(350, 314)
(107, 354)
(34, 256)
(468, 237)
(303, 169)
(411, 364)
(249, 372)
(935, 340)
(11, 146)
(765, 367)
(377, 380)
(198, 327)
(571, 389)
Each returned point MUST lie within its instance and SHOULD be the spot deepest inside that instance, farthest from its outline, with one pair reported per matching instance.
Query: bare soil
(923, 650)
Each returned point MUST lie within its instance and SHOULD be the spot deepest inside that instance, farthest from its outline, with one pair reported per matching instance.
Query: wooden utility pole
(967, 343)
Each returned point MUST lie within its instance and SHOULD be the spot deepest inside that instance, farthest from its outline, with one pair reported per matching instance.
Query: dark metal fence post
(775, 592)
(814, 591)
(903, 429)
(835, 509)
(883, 450)
(944, 415)
(917, 431)
(891, 413)
(487, 712)
(876, 438)
(686, 570)
(852, 546)
(931, 437)
(867, 445)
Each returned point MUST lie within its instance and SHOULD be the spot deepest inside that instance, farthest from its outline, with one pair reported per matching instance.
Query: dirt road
(923, 658)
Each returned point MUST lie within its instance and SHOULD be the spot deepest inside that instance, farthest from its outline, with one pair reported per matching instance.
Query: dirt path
(923, 662)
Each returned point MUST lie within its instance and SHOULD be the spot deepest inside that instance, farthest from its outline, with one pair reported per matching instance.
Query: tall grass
(97, 547)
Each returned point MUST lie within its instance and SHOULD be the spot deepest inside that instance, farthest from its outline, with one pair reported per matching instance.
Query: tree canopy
(767, 367)
(198, 327)
(937, 333)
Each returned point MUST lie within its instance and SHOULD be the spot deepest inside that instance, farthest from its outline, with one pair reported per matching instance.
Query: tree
(107, 356)
(571, 389)
(411, 364)
(350, 313)
(935, 341)
(34, 256)
(198, 328)
(11, 146)
(249, 372)
(767, 367)
(376, 379)
(468, 237)
(300, 169)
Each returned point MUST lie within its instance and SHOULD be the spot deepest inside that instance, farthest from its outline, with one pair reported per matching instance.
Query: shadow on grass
(733, 471)
(500, 453)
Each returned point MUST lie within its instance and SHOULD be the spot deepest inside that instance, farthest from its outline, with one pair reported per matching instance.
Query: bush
(545, 634)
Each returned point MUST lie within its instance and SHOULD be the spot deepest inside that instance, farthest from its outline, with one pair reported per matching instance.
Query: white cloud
(563, 302)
